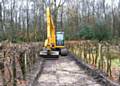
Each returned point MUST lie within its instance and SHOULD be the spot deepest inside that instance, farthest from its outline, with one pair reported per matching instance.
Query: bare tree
(27, 13)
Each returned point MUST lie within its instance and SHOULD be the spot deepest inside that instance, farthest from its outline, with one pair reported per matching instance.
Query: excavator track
(63, 72)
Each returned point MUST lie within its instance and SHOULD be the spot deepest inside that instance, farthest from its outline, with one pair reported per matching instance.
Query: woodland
(92, 31)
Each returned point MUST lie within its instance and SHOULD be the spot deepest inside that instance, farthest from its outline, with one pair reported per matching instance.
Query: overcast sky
(107, 1)
(110, 1)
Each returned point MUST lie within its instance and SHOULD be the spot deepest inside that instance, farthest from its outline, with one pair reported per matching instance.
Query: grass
(115, 63)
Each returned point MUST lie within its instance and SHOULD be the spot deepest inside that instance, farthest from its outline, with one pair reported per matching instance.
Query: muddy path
(63, 72)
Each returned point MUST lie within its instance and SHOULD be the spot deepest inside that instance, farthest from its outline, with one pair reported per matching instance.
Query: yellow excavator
(54, 44)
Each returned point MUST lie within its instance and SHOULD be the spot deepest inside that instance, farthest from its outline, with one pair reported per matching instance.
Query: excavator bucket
(51, 54)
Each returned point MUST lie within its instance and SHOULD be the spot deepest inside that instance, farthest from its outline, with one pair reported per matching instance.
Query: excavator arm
(50, 42)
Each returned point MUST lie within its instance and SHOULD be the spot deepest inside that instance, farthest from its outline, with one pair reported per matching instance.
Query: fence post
(108, 61)
(14, 71)
(100, 56)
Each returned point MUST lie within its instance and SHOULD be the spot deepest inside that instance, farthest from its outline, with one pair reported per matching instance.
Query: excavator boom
(51, 36)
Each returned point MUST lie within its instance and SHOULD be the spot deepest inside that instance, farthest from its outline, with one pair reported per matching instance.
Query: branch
(59, 5)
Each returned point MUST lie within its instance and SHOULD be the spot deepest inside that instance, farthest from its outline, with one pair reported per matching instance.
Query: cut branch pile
(15, 61)
(99, 55)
